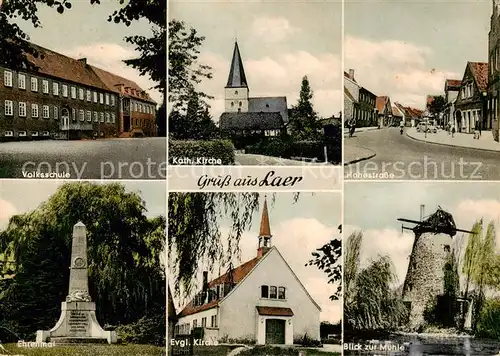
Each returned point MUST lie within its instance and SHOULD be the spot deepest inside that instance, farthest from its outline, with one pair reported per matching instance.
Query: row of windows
(467, 91)
(363, 114)
(213, 322)
(73, 92)
(367, 99)
(272, 292)
(143, 108)
(25, 134)
(48, 112)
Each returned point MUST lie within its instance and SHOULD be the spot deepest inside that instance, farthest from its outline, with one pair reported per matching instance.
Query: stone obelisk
(78, 320)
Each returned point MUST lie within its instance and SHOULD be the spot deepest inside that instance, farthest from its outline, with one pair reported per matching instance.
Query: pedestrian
(453, 131)
(476, 130)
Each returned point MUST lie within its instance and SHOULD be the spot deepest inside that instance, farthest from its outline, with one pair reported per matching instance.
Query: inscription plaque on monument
(78, 319)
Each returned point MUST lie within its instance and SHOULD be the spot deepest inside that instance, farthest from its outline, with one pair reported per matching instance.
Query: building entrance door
(275, 331)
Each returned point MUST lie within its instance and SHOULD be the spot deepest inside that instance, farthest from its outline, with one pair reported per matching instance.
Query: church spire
(237, 78)
(265, 232)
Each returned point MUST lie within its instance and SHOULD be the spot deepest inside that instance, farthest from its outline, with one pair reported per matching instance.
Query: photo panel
(422, 274)
(254, 273)
(82, 268)
(82, 86)
(420, 90)
(255, 83)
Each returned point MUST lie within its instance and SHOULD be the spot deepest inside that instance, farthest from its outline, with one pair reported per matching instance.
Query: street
(140, 158)
(400, 157)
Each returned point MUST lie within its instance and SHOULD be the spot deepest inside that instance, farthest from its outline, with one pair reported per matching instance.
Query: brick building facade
(69, 99)
(494, 69)
(359, 102)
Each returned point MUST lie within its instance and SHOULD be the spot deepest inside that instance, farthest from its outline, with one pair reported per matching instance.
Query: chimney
(351, 74)
(422, 212)
(83, 60)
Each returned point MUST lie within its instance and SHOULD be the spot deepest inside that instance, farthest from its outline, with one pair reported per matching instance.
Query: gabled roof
(480, 73)
(396, 111)
(348, 94)
(380, 103)
(238, 274)
(78, 71)
(452, 84)
(269, 104)
(112, 82)
(57, 65)
(251, 121)
(237, 77)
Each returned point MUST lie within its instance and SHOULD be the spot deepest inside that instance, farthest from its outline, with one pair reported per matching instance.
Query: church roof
(238, 274)
(269, 104)
(251, 121)
(265, 229)
(237, 77)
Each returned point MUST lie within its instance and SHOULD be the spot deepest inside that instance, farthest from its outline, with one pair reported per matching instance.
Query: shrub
(147, 330)
(306, 341)
(249, 340)
(219, 149)
(488, 323)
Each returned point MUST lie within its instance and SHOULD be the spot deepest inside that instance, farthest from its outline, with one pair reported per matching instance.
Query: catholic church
(246, 116)
(261, 300)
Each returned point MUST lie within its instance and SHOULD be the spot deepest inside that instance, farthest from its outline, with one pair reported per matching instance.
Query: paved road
(400, 157)
(139, 158)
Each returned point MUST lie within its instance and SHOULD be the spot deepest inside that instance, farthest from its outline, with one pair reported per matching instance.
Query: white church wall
(236, 96)
(238, 313)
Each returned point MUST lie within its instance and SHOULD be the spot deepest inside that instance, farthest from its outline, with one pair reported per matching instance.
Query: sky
(406, 49)
(279, 41)
(298, 229)
(375, 207)
(21, 196)
(84, 32)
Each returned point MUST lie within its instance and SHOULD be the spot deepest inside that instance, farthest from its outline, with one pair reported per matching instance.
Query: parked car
(422, 127)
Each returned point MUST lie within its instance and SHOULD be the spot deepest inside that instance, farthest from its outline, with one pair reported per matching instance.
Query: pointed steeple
(237, 78)
(265, 232)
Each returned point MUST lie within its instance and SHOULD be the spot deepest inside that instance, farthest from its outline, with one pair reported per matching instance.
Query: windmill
(431, 251)
(441, 222)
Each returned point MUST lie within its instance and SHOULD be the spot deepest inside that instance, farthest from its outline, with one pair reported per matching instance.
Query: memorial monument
(78, 319)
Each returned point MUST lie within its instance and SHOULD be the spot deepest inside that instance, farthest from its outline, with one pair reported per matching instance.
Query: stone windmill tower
(424, 280)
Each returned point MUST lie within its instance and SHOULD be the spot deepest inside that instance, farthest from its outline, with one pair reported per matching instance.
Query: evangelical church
(261, 300)
(246, 116)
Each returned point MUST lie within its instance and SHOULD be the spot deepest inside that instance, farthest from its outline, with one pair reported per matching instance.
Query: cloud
(110, 57)
(280, 76)
(395, 68)
(273, 29)
(7, 209)
(389, 242)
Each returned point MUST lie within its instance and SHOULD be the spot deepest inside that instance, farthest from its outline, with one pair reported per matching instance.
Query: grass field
(86, 350)
(285, 351)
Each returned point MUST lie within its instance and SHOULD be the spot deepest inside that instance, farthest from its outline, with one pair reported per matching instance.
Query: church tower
(236, 90)
(264, 233)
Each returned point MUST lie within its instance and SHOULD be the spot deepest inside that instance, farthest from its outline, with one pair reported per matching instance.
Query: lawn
(88, 350)
(212, 350)
(285, 351)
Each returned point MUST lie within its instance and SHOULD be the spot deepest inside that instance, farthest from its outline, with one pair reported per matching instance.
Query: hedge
(219, 149)
(289, 149)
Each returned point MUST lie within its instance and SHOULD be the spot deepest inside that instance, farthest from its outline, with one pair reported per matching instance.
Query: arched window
(240, 103)
(236, 92)
(232, 103)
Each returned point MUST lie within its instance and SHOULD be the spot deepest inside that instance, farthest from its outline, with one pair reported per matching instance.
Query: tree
(304, 120)
(370, 302)
(327, 259)
(126, 276)
(184, 71)
(437, 105)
